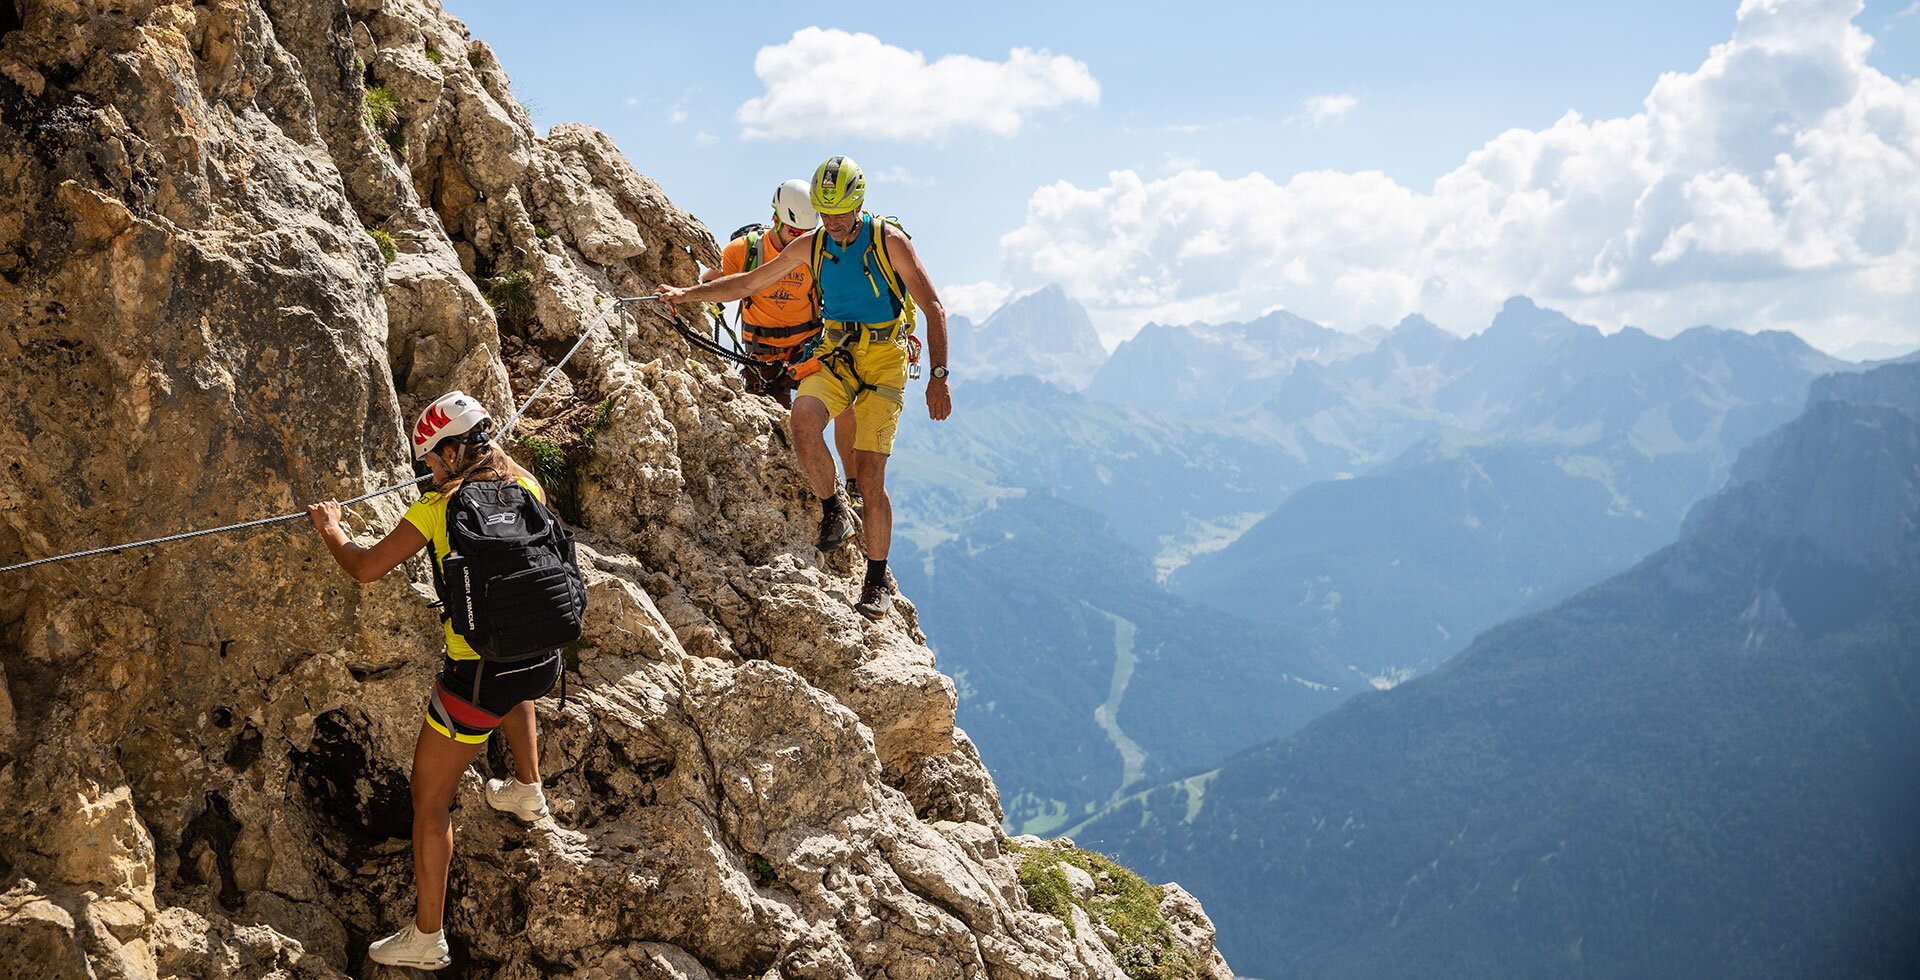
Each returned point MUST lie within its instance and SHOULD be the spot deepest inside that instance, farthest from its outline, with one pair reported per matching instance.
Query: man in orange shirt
(779, 324)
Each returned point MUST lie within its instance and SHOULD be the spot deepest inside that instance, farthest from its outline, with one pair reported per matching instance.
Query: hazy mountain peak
(1521, 317)
(1415, 323)
(1044, 333)
(1209, 368)
(1051, 298)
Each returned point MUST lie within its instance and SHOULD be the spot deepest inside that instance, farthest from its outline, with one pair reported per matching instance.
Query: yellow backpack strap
(886, 267)
(819, 256)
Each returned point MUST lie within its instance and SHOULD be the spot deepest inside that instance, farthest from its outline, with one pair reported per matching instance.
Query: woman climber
(473, 696)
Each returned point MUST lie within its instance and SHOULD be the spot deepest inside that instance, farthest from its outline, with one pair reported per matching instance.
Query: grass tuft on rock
(763, 871)
(434, 56)
(558, 474)
(380, 113)
(1048, 891)
(383, 108)
(383, 241)
(511, 297)
(602, 417)
(1122, 901)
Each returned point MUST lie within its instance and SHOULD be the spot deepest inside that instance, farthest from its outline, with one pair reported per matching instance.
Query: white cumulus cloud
(1775, 186)
(975, 300)
(1328, 108)
(899, 175)
(830, 83)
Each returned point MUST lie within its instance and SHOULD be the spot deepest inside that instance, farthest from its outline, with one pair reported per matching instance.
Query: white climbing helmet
(452, 414)
(792, 205)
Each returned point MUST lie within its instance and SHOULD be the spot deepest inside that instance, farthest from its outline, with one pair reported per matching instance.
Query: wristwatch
(939, 372)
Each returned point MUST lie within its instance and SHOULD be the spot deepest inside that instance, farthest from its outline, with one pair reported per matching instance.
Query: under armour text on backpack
(510, 583)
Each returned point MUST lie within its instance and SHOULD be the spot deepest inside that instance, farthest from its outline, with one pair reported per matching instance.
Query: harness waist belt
(781, 333)
(792, 352)
(841, 333)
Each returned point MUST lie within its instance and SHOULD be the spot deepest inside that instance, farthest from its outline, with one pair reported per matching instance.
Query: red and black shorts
(472, 696)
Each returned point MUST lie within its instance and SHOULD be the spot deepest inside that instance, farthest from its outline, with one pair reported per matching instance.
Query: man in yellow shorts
(869, 279)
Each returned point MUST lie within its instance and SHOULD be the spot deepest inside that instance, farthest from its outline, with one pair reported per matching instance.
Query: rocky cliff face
(204, 745)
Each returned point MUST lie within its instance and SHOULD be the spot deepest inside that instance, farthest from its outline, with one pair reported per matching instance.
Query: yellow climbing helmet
(838, 186)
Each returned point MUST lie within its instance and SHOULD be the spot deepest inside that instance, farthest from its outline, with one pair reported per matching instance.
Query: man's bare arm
(913, 277)
(741, 284)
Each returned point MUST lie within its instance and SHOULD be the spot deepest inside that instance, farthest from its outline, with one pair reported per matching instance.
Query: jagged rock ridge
(204, 746)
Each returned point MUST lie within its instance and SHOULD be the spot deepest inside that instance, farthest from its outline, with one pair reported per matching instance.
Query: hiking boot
(411, 947)
(853, 493)
(529, 803)
(875, 602)
(835, 528)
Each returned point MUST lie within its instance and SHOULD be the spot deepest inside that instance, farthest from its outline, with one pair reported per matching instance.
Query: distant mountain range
(1703, 767)
(1566, 455)
(1204, 369)
(1358, 512)
(1401, 494)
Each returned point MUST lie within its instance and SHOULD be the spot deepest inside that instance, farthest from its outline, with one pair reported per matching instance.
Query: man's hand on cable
(670, 295)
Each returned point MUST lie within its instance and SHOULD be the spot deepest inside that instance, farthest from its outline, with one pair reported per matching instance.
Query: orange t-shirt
(787, 303)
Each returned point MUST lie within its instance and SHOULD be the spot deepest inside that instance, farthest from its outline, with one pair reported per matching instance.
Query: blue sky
(1344, 161)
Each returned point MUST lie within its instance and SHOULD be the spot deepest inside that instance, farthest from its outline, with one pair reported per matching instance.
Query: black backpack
(753, 245)
(510, 584)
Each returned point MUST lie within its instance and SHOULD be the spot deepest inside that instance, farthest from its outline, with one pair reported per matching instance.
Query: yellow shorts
(876, 410)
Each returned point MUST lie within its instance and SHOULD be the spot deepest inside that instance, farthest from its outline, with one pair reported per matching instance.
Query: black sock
(832, 505)
(876, 572)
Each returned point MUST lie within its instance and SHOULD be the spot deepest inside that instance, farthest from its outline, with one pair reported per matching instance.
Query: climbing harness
(504, 431)
(841, 341)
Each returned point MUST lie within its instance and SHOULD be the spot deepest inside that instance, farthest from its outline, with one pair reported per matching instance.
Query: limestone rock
(1193, 931)
(38, 932)
(1078, 881)
(953, 786)
(213, 735)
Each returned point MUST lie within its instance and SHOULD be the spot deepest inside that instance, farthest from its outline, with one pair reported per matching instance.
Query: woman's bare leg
(438, 762)
(523, 737)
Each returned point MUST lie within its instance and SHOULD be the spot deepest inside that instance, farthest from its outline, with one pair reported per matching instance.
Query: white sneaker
(411, 947)
(525, 801)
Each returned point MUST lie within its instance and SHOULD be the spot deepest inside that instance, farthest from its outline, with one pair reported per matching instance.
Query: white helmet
(452, 414)
(792, 205)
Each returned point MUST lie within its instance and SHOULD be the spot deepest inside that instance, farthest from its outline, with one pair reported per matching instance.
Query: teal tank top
(851, 286)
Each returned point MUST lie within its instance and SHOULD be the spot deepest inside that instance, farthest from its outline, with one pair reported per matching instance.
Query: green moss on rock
(1122, 901)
